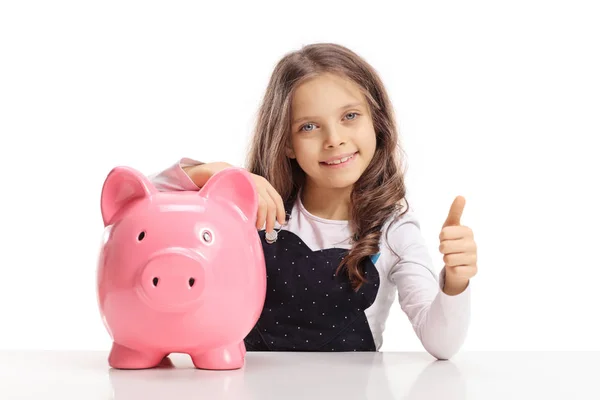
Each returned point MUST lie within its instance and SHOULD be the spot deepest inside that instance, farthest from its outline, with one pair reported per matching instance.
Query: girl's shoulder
(402, 230)
(404, 244)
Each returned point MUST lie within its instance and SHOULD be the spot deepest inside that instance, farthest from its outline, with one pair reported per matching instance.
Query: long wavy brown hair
(379, 192)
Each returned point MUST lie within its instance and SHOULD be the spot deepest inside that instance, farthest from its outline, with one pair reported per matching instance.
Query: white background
(496, 101)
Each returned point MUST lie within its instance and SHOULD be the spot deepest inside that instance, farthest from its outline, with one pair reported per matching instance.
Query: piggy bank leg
(243, 349)
(227, 357)
(122, 357)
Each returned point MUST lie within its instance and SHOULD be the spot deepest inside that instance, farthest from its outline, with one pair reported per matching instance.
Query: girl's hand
(270, 203)
(457, 244)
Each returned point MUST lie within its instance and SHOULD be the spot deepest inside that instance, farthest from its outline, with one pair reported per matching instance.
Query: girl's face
(331, 121)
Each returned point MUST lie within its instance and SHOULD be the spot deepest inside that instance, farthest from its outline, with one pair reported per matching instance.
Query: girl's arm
(189, 174)
(186, 174)
(440, 321)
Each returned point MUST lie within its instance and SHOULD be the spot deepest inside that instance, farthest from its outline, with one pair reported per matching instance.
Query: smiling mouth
(339, 161)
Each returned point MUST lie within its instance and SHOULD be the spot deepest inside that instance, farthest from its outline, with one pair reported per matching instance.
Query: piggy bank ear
(235, 186)
(122, 186)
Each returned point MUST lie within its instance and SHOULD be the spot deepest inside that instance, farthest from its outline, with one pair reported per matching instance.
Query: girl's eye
(303, 126)
(351, 119)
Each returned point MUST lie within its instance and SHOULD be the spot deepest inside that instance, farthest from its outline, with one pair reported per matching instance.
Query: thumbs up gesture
(457, 244)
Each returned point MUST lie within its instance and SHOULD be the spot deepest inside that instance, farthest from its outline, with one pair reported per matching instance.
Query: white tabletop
(468, 375)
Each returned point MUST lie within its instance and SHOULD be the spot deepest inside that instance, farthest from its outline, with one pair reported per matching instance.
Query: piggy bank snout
(172, 280)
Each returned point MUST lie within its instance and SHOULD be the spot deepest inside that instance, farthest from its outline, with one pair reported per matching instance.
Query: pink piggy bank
(180, 272)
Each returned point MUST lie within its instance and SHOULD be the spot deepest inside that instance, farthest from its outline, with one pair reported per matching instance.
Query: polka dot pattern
(308, 307)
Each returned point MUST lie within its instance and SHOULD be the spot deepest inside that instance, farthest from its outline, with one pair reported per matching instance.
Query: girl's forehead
(325, 95)
(326, 86)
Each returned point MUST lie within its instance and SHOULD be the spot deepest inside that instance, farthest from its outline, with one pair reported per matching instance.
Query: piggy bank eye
(207, 236)
(141, 236)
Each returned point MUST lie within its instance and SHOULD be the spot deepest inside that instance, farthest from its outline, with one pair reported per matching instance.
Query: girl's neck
(327, 203)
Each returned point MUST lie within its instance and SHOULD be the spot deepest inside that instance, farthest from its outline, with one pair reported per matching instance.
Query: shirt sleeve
(440, 321)
(174, 177)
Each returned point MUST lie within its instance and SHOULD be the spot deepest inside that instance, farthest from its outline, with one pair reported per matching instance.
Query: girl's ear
(289, 152)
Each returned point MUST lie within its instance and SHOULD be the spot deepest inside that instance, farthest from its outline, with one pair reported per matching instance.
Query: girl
(339, 239)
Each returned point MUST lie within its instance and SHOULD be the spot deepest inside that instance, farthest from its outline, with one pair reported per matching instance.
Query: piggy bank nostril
(155, 281)
(191, 281)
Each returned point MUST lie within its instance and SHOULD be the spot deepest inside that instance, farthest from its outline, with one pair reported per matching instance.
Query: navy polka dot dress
(308, 307)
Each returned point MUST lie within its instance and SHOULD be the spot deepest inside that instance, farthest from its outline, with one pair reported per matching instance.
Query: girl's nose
(333, 138)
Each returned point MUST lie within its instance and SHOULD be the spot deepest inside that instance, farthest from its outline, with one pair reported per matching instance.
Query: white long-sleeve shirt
(440, 321)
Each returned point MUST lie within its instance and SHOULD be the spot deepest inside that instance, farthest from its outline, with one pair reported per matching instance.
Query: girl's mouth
(339, 163)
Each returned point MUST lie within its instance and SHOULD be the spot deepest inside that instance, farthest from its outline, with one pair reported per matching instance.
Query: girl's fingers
(261, 215)
(271, 211)
(270, 205)
(457, 246)
(280, 211)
